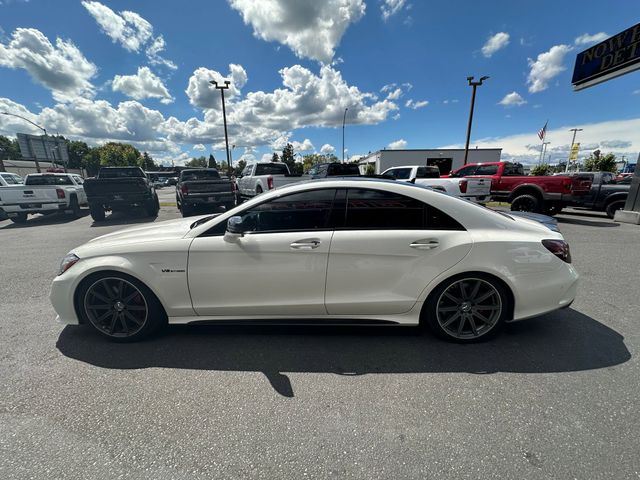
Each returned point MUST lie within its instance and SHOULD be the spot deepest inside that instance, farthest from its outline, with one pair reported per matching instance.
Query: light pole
(222, 88)
(35, 125)
(574, 130)
(474, 85)
(344, 119)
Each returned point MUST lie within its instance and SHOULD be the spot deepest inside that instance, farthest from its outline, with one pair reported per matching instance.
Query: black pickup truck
(119, 189)
(599, 191)
(204, 188)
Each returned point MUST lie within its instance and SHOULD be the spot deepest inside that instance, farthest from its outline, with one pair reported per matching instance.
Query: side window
(78, 180)
(513, 170)
(299, 211)
(428, 172)
(379, 210)
(608, 179)
(463, 172)
(487, 170)
(247, 170)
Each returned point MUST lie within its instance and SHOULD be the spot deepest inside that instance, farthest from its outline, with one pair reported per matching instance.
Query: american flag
(543, 131)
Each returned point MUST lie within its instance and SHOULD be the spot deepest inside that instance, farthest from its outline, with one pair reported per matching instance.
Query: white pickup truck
(475, 189)
(43, 193)
(263, 176)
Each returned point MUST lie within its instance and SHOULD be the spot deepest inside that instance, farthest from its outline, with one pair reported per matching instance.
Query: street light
(37, 126)
(344, 118)
(473, 101)
(222, 88)
(574, 130)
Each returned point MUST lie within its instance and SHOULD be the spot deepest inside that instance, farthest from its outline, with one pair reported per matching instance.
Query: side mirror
(234, 229)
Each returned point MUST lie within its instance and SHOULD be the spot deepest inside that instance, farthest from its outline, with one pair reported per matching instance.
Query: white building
(446, 159)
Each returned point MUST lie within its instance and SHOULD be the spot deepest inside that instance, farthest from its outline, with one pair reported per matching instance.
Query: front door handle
(425, 244)
(305, 244)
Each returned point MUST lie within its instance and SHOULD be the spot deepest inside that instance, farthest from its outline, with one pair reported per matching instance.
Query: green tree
(275, 157)
(91, 161)
(114, 154)
(597, 162)
(77, 153)
(9, 148)
(240, 166)
(370, 169)
(147, 162)
(541, 169)
(200, 162)
(312, 159)
(288, 157)
(212, 161)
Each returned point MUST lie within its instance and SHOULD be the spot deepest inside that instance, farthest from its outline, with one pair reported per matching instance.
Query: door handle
(425, 245)
(305, 245)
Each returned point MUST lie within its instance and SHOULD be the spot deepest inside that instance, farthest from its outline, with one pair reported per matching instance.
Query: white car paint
(478, 189)
(352, 274)
(250, 184)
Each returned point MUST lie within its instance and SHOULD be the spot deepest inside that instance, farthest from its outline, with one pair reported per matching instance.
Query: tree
(200, 162)
(91, 161)
(114, 154)
(596, 162)
(541, 169)
(9, 148)
(212, 161)
(148, 163)
(312, 159)
(289, 159)
(240, 166)
(77, 153)
(370, 169)
(275, 157)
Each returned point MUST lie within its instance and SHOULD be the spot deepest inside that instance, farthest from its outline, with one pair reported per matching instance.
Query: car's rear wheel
(613, 207)
(19, 218)
(120, 307)
(97, 212)
(74, 207)
(152, 206)
(525, 203)
(467, 308)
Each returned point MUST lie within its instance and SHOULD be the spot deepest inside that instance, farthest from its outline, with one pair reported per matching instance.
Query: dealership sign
(611, 58)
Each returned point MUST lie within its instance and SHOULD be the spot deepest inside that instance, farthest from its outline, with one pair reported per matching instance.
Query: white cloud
(304, 146)
(398, 144)
(396, 116)
(390, 7)
(327, 149)
(61, 68)
(311, 28)
(143, 84)
(587, 39)
(204, 95)
(199, 147)
(394, 95)
(416, 104)
(513, 99)
(546, 66)
(130, 30)
(495, 43)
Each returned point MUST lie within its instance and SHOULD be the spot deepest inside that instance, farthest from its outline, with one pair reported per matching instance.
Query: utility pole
(474, 85)
(344, 118)
(222, 88)
(573, 141)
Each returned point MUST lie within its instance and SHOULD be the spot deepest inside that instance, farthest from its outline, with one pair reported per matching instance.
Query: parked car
(204, 188)
(43, 193)
(260, 177)
(119, 189)
(347, 251)
(600, 191)
(476, 189)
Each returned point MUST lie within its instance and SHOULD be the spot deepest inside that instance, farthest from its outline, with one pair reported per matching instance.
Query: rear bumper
(13, 210)
(123, 199)
(209, 199)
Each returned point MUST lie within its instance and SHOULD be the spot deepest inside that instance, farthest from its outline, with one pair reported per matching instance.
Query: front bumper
(61, 297)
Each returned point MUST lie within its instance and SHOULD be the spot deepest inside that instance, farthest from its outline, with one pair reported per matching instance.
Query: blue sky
(137, 72)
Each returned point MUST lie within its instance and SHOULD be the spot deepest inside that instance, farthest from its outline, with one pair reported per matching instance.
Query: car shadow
(51, 219)
(564, 341)
(133, 216)
(606, 222)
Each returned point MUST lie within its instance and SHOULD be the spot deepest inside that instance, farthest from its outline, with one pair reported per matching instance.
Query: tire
(525, 203)
(20, 218)
(125, 309)
(152, 207)
(74, 206)
(258, 190)
(456, 313)
(97, 212)
(553, 209)
(613, 207)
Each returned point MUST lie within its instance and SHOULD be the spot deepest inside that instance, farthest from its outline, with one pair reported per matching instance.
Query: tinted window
(195, 175)
(463, 172)
(340, 169)
(272, 169)
(513, 169)
(487, 170)
(299, 211)
(608, 178)
(121, 173)
(428, 172)
(374, 209)
(48, 180)
(399, 173)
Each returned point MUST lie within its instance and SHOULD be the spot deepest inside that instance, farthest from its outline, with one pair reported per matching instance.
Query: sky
(139, 72)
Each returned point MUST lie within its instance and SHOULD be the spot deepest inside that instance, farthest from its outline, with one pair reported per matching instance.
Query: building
(446, 159)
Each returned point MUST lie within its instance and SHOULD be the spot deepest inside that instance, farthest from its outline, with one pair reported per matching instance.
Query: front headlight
(67, 262)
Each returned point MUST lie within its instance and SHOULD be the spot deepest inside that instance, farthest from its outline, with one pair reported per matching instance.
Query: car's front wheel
(119, 307)
(614, 206)
(467, 308)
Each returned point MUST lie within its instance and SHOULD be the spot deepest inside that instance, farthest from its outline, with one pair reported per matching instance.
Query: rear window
(48, 180)
(195, 175)
(428, 172)
(513, 169)
(340, 169)
(487, 170)
(121, 173)
(399, 173)
(272, 169)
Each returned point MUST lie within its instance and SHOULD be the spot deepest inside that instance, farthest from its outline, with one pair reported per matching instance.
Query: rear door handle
(425, 244)
(305, 244)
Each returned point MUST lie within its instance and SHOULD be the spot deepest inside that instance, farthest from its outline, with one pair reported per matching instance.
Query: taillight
(559, 248)
(60, 193)
(463, 186)
(184, 189)
(270, 182)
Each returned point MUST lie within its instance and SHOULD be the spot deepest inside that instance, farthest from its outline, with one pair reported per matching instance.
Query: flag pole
(544, 134)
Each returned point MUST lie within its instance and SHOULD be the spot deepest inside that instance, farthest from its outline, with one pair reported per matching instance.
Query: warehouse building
(446, 159)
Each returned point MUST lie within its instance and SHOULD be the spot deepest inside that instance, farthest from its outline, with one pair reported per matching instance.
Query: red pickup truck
(541, 194)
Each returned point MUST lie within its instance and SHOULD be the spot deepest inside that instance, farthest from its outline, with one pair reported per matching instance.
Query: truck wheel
(74, 206)
(525, 203)
(97, 212)
(258, 190)
(553, 209)
(614, 206)
(20, 218)
(152, 207)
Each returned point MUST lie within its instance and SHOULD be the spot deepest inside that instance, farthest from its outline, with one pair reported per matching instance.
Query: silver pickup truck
(43, 193)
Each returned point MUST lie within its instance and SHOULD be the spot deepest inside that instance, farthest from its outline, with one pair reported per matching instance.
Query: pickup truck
(262, 176)
(197, 188)
(599, 191)
(474, 189)
(526, 193)
(43, 193)
(119, 189)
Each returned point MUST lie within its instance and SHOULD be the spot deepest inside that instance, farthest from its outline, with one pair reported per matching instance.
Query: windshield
(48, 180)
(195, 175)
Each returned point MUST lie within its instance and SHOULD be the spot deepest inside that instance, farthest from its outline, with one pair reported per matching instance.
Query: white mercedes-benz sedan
(344, 251)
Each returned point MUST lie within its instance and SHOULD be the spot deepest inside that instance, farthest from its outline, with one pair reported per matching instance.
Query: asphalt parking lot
(554, 397)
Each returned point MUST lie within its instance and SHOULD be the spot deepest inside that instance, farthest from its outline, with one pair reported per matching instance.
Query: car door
(388, 250)
(277, 268)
